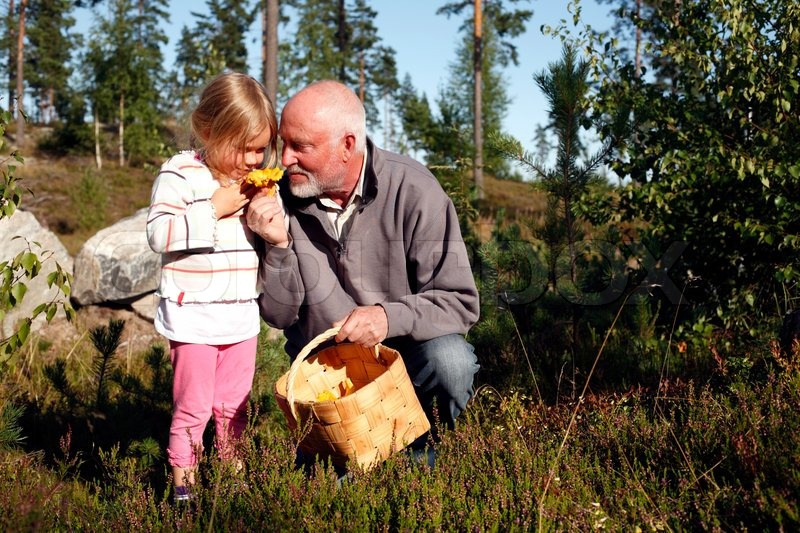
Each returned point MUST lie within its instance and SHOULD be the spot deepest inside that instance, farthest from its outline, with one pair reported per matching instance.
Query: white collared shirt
(340, 215)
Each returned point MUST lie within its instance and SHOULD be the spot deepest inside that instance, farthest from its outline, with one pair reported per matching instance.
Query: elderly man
(374, 247)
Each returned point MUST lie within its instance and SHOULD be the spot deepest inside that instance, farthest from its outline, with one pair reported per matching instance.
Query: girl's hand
(265, 217)
(228, 200)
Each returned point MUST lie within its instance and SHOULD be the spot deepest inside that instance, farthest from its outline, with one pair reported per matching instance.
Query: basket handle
(295, 368)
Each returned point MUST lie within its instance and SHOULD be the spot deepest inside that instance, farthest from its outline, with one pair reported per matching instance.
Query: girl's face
(236, 164)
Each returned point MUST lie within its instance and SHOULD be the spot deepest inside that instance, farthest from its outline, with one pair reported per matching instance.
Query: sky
(425, 44)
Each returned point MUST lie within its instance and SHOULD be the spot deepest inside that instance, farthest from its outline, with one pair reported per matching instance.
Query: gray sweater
(404, 251)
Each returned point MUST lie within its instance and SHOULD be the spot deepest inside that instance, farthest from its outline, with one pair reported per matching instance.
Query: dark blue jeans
(442, 371)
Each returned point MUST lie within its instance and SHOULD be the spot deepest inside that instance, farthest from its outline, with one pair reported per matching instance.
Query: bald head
(333, 106)
(323, 128)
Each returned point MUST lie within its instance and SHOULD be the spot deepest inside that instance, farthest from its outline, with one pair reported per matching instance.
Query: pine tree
(494, 99)
(565, 85)
(49, 54)
(506, 24)
(124, 64)
(221, 35)
(416, 119)
(340, 41)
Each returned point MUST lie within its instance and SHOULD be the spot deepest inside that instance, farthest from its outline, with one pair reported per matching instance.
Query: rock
(145, 307)
(25, 225)
(116, 264)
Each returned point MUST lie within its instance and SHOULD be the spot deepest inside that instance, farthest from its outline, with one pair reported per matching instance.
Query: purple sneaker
(182, 494)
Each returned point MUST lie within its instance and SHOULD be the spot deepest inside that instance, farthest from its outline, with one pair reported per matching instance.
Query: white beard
(308, 189)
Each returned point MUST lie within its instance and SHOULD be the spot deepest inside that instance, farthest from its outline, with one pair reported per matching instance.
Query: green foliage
(458, 95)
(106, 340)
(196, 64)
(113, 411)
(711, 161)
(271, 364)
(49, 51)
(511, 278)
(575, 277)
(125, 74)
(117, 416)
(460, 189)
(155, 392)
(26, 265)
(71, 135)
(222, 31)
(565, 86)
(56, 374)
(415, 116)
(445, 136)
(508, 23)
(10, 430)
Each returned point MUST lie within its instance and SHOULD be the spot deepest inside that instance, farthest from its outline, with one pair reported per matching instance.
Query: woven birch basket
(378, 417)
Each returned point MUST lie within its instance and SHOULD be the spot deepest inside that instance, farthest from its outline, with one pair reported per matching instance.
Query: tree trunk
(122, 129)
(271, 50)
(341, 38)
(478, 62)
(387, 124)
(20, 75)
(362, 82)
(638, 58)
(50, 105)
(98, 158)
(12, 56)
(263, 11)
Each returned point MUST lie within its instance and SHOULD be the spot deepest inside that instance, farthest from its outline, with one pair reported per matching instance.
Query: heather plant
(691, 457)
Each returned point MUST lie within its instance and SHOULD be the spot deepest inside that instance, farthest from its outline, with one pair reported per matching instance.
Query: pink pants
(209, 380)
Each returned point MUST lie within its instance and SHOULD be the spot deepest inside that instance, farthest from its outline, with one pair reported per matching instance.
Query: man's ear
(348, 147)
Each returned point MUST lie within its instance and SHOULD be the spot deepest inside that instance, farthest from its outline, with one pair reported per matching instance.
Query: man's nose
(287, 157)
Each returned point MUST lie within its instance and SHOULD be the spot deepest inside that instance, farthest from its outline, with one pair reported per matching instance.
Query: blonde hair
(233, 109)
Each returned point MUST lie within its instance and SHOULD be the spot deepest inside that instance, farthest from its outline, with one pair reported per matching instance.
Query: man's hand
(265, 217)
(366, 326)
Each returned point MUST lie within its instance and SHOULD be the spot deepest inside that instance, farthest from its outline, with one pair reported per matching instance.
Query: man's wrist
(283, 244)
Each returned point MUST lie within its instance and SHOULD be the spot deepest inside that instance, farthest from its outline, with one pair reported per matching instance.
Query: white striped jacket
(204, 259)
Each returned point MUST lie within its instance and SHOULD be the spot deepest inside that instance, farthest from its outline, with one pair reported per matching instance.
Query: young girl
(208, 288)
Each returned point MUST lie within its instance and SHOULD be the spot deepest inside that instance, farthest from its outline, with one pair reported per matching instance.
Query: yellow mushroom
(265, 177)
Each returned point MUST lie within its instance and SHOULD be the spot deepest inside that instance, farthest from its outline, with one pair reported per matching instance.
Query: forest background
(631, 370)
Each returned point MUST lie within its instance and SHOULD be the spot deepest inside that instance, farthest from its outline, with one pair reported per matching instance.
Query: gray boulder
(116, 265)
(24, 226)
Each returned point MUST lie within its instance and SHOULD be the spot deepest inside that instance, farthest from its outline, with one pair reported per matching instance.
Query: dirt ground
(63, 337)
